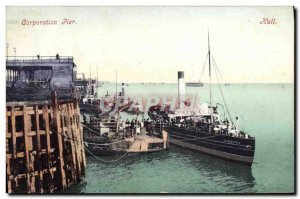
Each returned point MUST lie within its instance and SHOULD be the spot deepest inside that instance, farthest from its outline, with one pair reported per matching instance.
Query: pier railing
(38, 59)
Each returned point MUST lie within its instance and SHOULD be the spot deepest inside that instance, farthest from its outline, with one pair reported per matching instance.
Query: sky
(150, 44)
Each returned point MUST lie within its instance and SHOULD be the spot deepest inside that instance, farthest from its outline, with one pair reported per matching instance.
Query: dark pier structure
(44, 143)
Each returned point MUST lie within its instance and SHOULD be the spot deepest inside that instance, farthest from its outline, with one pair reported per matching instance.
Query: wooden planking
(79, 141)
(71, 139)
(8, 173)
(56, 119)
(38, 147)
(26, 130)
(13, 132)
(30, 134)
(34, 173)
(75, 139)
(48, 145)
(79, 135)
(14, 143)
(77, 132)
(33, 148)
(22, 154)
(7, 126)
(20, 113)
(64, 129)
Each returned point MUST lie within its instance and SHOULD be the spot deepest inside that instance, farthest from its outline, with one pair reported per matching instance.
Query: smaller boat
(132, 145)
(194, 84)
(107, 137)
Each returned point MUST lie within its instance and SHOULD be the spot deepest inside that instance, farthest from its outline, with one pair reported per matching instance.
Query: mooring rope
(91, 129)
(106, 144)
(106, 161)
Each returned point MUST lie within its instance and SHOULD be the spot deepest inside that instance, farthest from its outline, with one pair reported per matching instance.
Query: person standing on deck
(146, 124)
(152, 127)
(123, 128)
(127, 125)
(84, 118)
(132, 127)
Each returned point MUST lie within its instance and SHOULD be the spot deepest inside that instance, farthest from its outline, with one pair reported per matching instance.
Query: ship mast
(211, 111)
(90, 81)
(90, 75)
(97, 77)
(116, 85)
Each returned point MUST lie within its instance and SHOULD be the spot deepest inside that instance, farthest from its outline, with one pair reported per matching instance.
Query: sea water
(265, 111)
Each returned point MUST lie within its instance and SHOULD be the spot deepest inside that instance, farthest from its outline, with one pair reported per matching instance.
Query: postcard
(150, 100)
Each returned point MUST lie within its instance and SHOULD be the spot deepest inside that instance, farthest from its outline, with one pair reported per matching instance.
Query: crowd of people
(204, 124)
(147, 126)
(136, 126)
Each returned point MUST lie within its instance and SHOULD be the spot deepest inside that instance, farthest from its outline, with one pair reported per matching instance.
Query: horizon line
(107, 81)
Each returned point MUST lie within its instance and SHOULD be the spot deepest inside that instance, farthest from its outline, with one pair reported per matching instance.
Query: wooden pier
(44, 145)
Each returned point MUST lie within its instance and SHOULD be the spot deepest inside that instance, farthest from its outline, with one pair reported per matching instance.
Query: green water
(266, 111)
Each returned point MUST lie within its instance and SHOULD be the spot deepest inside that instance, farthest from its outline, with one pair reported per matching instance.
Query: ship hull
(221, 146)
(106, 151)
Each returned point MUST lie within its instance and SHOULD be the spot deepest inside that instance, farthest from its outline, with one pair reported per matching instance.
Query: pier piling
(44, 146)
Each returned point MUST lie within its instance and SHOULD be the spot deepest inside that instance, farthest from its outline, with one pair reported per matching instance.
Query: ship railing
(161, 126)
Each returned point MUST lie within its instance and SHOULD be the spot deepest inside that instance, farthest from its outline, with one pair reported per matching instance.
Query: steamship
(202, 129)
(194, 84)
